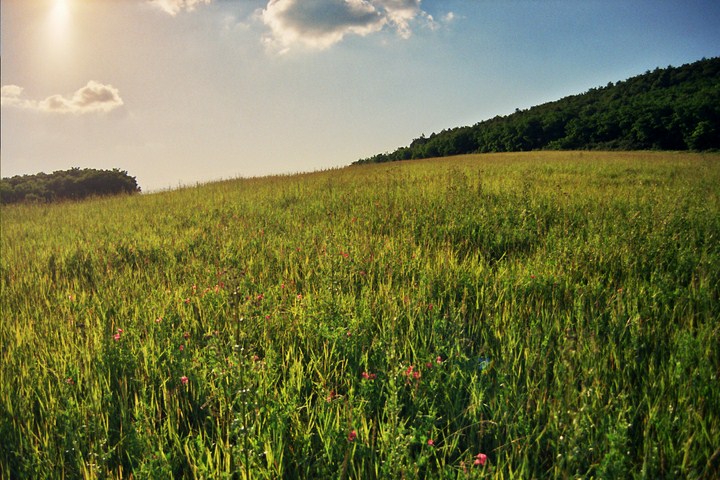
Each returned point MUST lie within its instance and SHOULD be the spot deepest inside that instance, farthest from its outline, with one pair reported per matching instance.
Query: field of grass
(535, 315)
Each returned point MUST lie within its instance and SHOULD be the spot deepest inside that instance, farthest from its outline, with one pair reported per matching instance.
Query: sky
(178, 92)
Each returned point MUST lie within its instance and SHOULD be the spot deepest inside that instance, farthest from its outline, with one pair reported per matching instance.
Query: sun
(59, 16)
(57, 40)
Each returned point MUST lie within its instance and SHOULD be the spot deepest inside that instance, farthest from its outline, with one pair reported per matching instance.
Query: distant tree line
(72, 184)
(666, 109)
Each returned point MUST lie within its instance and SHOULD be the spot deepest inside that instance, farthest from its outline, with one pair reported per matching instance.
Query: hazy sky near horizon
(184, 91)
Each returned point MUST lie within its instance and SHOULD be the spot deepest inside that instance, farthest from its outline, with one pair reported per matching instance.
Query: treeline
(666, 109)
(72, 184)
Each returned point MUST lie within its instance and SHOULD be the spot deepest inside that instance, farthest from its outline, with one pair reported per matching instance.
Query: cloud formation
(92, 98)
(173, 7)
(322, 23)
(319, 24)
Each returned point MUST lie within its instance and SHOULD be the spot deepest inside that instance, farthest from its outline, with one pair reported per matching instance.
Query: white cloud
(322, 23)
(92, 98)
(173, 7)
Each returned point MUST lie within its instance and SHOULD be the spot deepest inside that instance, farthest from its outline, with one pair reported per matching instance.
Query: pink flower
(352, 436)
(331, 396)
(480, 459)
(431, 442)
(116, 337)
(369, 376)
(438, 359)
(184, 380)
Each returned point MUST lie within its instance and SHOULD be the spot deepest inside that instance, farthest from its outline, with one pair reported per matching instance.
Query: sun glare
(58, 30)
(59, 16)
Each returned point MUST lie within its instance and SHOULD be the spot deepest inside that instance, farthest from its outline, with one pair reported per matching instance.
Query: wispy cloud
(92, 98)
(173, 7)
(319, 24)
(322, 23)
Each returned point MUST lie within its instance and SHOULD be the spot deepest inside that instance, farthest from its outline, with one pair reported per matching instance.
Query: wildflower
(352, 436)
(438, 359)
(116, 337)
(182, 347)
(480, 459)
(331, 396)
(184, 380)
(186, 335)
(431, 442)
(369, 376)
(158, 320)
(70, 381)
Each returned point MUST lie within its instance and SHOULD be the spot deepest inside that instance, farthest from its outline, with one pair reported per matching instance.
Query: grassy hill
(675, 108)
(530, 315)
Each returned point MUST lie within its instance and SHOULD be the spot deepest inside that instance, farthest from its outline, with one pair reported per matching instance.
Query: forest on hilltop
(675, 108)
(73, 184)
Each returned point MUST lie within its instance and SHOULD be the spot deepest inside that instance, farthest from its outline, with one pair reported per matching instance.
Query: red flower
(438, 359)
(352, 436)
(116, 337)
(369, 376)
(184, 380)
(480, 459)
(331, 396)
(431, 442)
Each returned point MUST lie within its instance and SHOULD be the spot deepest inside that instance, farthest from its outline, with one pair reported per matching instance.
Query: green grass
(557, 312)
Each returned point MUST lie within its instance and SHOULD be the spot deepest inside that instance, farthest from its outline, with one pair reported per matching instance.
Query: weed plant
(539, 315)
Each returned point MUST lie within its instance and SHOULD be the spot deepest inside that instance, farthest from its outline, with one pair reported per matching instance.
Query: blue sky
(184, 91)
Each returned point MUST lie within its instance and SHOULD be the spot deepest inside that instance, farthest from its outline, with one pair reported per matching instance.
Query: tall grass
(555, 312)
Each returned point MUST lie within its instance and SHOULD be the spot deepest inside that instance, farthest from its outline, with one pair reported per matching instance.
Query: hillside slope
(666, 109)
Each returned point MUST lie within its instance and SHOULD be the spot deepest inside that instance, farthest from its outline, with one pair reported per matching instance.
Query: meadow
(529, 315)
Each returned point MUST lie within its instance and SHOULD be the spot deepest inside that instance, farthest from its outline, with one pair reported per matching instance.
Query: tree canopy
(675, 108)
(72, 184)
